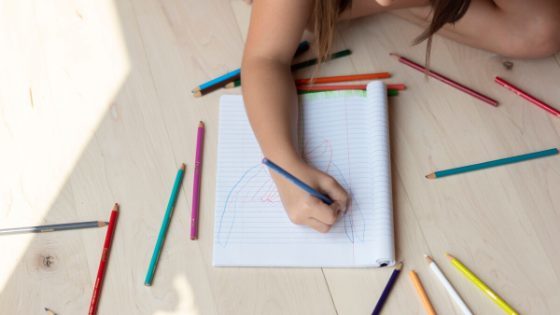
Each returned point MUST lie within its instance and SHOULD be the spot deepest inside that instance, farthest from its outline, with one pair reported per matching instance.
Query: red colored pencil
(104, 259)
(446, 80)
(398, 87)
(344, 78)
(528, 97)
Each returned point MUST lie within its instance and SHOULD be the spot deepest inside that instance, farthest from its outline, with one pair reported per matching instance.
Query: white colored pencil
(447, 285)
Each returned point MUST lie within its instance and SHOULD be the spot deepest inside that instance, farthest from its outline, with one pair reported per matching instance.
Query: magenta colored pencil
(196, 182)
(528, 97)
(446, 80)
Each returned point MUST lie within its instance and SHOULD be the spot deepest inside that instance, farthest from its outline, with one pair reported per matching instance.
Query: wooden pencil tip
(230, 85)
(116, 207)
(431, 176)
(428, 259)
(196, 89)
(449, 256)
(102, 223)
(201, 124)
(197, 94)
(399, 266)
(394, 55)
(183, 166)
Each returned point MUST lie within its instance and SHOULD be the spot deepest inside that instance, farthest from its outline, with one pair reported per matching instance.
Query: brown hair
(326, 12)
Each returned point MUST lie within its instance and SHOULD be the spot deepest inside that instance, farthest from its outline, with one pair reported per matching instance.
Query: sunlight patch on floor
(51, 103)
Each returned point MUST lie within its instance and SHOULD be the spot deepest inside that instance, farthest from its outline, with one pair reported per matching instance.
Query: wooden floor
(95, 108)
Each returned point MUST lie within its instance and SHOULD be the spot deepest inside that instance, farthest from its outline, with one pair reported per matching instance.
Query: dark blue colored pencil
(387, 290)
(297, 182)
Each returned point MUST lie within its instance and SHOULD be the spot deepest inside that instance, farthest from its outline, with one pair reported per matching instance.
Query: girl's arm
(271, 103)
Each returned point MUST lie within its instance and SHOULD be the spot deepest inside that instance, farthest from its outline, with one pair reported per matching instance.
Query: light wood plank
(97, 108)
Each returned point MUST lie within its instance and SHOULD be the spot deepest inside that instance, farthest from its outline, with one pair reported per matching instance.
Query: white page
(344, 134)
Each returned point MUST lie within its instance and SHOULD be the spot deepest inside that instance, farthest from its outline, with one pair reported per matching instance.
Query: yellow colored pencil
(422, 293)
(482, 286)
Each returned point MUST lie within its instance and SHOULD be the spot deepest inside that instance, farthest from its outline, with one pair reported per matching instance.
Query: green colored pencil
(314, 61)
(489, 164)
(164, 226)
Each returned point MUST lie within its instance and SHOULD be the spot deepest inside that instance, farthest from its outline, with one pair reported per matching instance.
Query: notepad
(343, 133)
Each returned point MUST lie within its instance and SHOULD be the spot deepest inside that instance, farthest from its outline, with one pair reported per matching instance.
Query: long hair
(326, 12)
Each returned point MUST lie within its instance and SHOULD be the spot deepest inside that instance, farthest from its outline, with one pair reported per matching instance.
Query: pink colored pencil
(446, 80)
(196, 183)
(528, 97)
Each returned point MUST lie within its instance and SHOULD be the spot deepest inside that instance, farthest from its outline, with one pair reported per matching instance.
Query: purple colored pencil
(196, 183)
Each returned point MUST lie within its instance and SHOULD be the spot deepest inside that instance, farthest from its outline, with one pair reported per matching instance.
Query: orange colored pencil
(344, 78)
(398, 87)
(421, 293)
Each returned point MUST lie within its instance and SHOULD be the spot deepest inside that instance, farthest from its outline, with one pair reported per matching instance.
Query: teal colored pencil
(164, 226)
(500, 162)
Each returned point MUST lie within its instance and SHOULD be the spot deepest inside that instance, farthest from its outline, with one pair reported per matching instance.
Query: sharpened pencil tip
(201, 124)
(431, 176)
(428, 259)
(399, 266)
(183, 166)
(196, 89)
(449, 256)
(394, 55)
(116, 206)
(197, 94)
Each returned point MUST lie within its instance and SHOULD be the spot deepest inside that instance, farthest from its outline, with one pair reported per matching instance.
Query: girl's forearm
(271, 103)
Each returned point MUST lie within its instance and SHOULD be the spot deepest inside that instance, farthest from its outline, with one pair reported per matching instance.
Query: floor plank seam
(329, 289)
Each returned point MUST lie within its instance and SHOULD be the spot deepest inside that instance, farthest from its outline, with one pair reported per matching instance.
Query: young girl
(515, 28)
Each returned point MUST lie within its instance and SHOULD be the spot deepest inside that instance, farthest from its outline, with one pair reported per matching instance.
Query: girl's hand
(305, 209)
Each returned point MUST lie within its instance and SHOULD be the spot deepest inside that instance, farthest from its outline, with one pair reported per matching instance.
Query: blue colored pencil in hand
(296, 181)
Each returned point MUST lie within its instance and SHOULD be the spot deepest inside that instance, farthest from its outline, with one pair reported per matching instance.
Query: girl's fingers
(322, 212)
(317, 225)
(332, 188)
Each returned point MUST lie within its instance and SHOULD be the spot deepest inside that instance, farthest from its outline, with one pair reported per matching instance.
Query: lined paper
(343, 133)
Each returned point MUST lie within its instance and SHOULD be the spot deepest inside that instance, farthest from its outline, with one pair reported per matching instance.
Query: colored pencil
(494, 163)
(389, 92)
(393, 86)
(234, 75)
(338, 87)
(53, 227)
(428, 307)
(446, 80)
(300, 65)
(387, 289)
(164, 226)
(335, 87)
(448, 287)
(528, 97)
(104, 260)
(49, 311)
(314, 61)
(344, 78)
(297, 181)
(482, 286)
(196, 183)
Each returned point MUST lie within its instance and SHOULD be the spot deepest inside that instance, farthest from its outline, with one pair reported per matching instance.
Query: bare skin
(518, 28)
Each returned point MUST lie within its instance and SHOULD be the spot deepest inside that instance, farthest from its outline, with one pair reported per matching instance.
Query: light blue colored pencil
(500, 162)
(296, 181)
(164, 226)
(224, 77)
